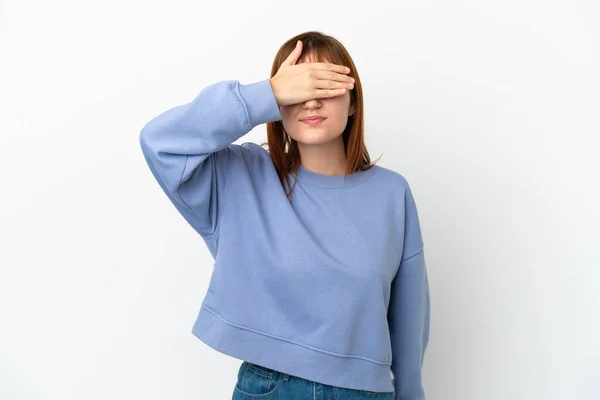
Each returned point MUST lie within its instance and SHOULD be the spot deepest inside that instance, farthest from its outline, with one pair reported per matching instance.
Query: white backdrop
(490, 110)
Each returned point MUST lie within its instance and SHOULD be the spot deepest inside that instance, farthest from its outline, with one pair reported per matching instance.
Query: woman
(319, 283)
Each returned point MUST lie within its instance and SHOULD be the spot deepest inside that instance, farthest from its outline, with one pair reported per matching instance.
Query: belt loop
(286, 377)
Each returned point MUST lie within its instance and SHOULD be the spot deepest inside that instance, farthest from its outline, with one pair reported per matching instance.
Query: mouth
(313, 121)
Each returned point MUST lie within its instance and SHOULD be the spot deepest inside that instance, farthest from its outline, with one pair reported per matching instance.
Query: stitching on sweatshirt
(241, 99)
(183, 170)
(208, 235)
(296, 343)
(223, 201)
(414, 255)
(370, 171)
(175, 194)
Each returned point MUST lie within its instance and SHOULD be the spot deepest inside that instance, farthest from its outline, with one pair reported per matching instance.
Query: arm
(409, 310)
(189, 149)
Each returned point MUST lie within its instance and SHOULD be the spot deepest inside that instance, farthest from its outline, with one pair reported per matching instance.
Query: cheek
(338, 104)
(339, 110)
(287, 112)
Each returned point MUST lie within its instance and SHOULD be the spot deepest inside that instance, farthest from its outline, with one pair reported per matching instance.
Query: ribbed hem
(291, 358)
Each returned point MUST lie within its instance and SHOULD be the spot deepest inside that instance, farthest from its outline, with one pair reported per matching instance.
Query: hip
(256, 382)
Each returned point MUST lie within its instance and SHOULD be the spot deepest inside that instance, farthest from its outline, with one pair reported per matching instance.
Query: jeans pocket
(256, 382)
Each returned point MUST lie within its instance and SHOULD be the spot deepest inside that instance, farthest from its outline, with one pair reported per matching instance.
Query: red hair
(282, 148)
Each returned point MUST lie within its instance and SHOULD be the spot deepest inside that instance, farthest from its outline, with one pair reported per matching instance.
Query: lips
(312, 121)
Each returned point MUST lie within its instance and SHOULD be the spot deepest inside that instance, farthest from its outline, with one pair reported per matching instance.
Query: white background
(490, 109)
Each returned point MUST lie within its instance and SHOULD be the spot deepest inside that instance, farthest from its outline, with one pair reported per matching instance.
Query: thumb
(293, 57)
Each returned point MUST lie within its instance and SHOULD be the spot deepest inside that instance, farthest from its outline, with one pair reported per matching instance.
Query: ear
(351, 110)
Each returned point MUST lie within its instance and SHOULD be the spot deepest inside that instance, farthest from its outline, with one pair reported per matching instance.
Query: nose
(311, 104)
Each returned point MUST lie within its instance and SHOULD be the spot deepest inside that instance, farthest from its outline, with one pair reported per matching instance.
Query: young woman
(319, 283)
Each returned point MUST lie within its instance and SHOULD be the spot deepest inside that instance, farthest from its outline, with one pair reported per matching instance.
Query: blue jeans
(256, 382)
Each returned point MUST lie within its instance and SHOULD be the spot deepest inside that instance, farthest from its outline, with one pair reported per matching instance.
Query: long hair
(282, 148)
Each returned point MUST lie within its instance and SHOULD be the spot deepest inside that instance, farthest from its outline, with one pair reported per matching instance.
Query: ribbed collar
(333, 181)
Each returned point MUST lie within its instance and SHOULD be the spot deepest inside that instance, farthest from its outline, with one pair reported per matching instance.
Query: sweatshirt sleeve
(408, 313)
(189, 149)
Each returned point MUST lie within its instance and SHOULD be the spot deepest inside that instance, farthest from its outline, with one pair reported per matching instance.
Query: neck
(324, 158)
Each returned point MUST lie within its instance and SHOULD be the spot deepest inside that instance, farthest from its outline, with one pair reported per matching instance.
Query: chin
(314, 137)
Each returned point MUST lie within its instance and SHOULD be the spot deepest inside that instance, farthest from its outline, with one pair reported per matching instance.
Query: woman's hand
(294, 84)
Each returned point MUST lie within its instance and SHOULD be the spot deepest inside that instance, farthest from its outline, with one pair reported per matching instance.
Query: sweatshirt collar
(333, 181)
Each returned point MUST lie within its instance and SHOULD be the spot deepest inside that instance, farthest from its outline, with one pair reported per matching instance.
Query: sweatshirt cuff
(260, 102)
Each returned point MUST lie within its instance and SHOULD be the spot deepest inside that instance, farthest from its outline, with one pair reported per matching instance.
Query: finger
(293, 56)
(333, 76)
(323, 93)
(327, 84)
(325, 66)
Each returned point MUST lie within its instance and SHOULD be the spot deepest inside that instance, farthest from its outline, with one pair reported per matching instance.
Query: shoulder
(249, 158)
(394, 186)
(389, 178)
(247, 152)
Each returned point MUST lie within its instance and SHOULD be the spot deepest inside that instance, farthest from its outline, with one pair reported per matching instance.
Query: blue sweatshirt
(331, 288)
